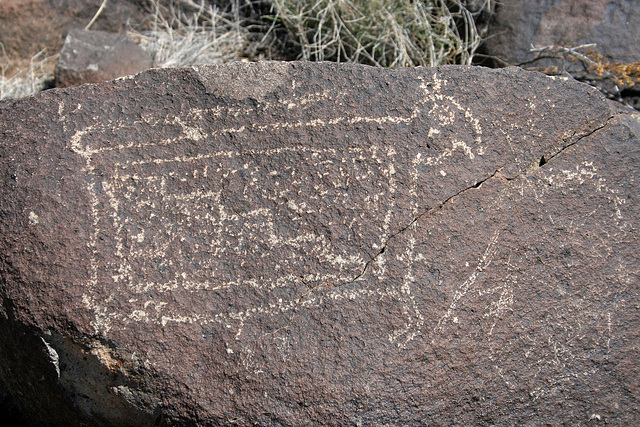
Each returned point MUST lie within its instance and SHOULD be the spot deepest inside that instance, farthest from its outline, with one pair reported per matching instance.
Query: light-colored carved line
(231, 154)
(266, 128)
(124, 267)
(443, 103)
(462, 290)
(86, 152)
(192, 133)
(321, 246)
(262, 283)
(335, 260)
(280, 307)
(99, 324)
(414, 318)
(587, 172)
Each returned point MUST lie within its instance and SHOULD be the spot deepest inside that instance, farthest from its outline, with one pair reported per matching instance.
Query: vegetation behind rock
(384, 33)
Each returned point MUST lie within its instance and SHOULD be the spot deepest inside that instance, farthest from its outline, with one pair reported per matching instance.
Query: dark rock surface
(300, 244)
(9, 413)
(614, 25)
(98, 56)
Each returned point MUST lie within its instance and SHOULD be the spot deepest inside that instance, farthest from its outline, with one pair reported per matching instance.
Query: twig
(570, 51)
(104, 3)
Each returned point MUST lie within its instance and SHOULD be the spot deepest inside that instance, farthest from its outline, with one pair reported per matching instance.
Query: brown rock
(594, 41)
(306, 244)
(29, 26)
(98, 56)
(614, 25)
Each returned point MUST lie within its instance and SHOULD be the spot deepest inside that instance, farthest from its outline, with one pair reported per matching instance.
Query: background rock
(337, 245)
(29, 26)
(614, 25)
(98, 56)
(559, 26)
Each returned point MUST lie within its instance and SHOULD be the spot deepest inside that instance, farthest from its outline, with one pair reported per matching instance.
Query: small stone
(98, 56)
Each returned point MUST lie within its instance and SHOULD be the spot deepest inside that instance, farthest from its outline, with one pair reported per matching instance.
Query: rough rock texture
(299, 244)
(614, 25)
(98, 56)
(29, 26)
(9, 412)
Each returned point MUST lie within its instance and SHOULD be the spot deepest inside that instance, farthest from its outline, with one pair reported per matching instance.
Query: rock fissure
(543, 161)
(164, 271)
(311, 288)
(582, 137)
(440, 206)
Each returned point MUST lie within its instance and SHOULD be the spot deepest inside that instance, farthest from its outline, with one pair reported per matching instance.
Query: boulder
(98, 56)
(519, 25)
(30, 26)
(321, 244)
(595, 41)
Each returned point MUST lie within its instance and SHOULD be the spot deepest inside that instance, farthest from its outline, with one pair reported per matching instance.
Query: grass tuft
(616, 80)
(194, 34)
(384, 33)
(26, 81)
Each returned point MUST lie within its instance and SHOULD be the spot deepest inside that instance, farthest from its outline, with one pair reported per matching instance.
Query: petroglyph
(340, 244)
(462, 290)
(588, 172)
(125, 184)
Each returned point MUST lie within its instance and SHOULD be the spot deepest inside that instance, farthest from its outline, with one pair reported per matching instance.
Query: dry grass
(195, 34)
(179, 37)
(26, 81)
(594, 66)
(384, 33)
(616, 80)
